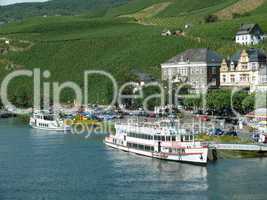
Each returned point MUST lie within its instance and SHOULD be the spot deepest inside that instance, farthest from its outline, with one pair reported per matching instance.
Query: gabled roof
(254, 55)
(249, 29)
(197, 55)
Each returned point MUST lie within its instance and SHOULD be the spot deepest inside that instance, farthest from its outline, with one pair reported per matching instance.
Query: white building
(244, 69)
(249, 34)
(261, 86)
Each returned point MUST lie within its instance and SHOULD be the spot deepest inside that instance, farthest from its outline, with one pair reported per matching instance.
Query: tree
(192, 103)
(211, 18)
(248, 104)
(152, 102)
(23, 99)
(238, 98)
(219, 100)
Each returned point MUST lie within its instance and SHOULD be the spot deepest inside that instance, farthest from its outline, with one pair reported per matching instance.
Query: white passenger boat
(46, 120)
(160, 140)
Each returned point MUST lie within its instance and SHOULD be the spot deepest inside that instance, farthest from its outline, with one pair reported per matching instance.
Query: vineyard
(69, 45)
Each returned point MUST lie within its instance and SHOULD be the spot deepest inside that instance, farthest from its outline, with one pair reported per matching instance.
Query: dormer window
(232, 66)
(244, 67)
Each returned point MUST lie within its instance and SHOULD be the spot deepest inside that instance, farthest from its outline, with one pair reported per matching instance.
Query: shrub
(211, 18)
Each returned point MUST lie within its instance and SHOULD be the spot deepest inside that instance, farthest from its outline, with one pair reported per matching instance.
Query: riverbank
(230, 154)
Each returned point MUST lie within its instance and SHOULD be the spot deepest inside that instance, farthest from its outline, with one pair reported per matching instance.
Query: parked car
(172, 116)
(231, 121)
(202, 117)
(232, 133)
(255, 137)
(217, 131)
(198, 112)
(152, 115)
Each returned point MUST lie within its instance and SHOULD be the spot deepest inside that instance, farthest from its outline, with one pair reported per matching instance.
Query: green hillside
(176, 8)
(18, 12)
(69, 45)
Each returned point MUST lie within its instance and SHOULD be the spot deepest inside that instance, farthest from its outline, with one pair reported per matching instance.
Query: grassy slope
(177, 7)
(185, 7)
(176, 16)
(241, 7)
(130, 8)
(150, 11)
(55, 7)
(69, 45)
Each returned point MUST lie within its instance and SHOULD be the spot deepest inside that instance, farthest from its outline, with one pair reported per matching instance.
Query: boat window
(173, 138)
(48, 117)
(140, 136)
(140, 146)
(191, 137)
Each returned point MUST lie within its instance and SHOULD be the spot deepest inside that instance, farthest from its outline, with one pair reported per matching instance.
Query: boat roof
(43, 112)
(162, 126)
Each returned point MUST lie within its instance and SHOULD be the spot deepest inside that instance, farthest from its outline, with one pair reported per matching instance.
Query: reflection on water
(167, 178)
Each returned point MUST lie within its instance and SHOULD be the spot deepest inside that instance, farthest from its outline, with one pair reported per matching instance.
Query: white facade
(248, 39)
(246, 73)
(261, 85)
(249, 34)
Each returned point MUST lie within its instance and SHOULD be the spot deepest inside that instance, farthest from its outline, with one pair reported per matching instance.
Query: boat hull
(199, 158)
(60, 129)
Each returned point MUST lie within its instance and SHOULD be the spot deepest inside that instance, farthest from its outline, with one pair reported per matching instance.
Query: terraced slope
(150, 11)
(177, 7)
(188, 7)
(240, 7)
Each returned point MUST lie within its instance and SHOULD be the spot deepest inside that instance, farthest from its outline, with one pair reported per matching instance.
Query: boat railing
(147, 124)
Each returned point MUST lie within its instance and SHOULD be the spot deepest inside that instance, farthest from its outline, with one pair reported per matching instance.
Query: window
(232, 78)
(244, 77)
(214, 70)
(244, 66)
(264, 79)
(253, 78)
(254, 66)
(224, 78)
(214, 81)
(140, 146)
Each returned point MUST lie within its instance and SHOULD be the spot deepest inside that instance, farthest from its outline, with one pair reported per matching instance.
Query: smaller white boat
(46, 120)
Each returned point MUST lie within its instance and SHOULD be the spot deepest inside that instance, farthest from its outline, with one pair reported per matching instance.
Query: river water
(39, 165)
